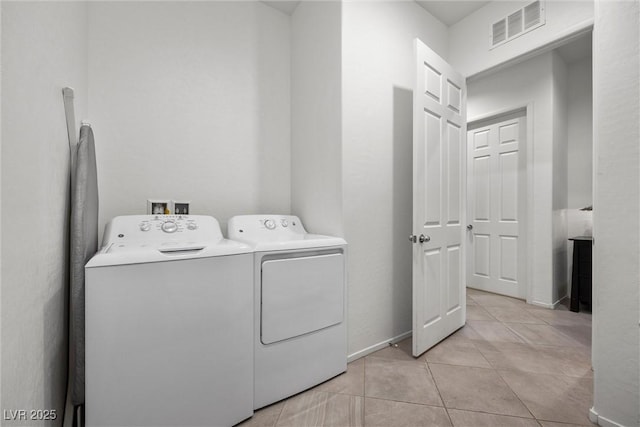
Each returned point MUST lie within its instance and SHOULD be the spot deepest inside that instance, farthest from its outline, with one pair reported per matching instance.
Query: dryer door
(301, 295)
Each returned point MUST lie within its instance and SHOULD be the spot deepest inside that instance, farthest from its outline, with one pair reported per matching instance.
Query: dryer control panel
(265, 227)
(161, 229)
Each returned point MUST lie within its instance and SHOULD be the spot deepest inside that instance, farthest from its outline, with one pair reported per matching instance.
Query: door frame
(529, 199)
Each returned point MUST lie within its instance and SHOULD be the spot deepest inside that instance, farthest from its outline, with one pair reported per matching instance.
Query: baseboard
(563, 298)
(543, 304)
(549, 306)
(371, 349)
(594, 417)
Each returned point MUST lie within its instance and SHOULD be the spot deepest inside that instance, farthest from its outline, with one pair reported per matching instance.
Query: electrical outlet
(181, 207)
(159, 207)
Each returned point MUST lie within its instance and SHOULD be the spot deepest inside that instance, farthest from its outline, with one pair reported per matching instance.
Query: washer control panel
(265, 227)
(169, 223)
(161, 229)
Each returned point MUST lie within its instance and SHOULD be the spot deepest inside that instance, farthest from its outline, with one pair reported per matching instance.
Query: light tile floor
(513, 364)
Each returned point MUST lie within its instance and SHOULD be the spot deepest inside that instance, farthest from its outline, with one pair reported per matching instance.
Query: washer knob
(192, 226)
(284, 223)
(270, 224)
(145, 226)
(169, 227)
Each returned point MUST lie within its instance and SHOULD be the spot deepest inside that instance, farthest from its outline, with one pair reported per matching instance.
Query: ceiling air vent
(499, 31)
(514, 22)
(517, 23)
(532, 15)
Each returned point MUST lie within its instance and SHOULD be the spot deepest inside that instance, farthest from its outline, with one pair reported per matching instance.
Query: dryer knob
(145, 226)
(270, 224)
(192, 226)
(284, 223)
(169, 227)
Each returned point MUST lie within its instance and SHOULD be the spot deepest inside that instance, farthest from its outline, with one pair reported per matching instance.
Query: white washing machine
(169, 327)
(299, 302)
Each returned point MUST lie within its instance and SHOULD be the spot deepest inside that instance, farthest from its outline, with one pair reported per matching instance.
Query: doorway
(555, 176)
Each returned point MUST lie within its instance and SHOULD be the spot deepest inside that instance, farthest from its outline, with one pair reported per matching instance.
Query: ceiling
(447, 11)
(451, 11)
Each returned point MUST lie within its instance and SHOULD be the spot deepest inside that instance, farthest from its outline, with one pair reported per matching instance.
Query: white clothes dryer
(299, 305)
(169, 330)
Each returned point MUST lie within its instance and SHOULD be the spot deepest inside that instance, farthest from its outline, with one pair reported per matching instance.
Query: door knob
(423, 238)
(469, 227)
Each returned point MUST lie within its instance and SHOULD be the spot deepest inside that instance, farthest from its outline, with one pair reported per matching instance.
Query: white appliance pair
(184, 327)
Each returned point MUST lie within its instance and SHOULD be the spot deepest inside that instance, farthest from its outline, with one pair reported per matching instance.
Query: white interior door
(439, 133)
(496, 193)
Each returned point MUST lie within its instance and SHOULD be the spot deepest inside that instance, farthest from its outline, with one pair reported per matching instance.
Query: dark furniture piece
(581, 272)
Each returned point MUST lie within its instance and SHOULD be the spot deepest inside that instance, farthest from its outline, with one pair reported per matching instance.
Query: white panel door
(439, 131)
(496, 194)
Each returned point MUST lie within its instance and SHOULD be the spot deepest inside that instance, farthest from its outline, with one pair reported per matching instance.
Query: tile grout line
(475, 411)
(504, 381)
(279, 414)
(444, 405)
(466, 366)
(364, 390)
(507, 384)
(492, 413)
(406, 402)
(516, 395)
(481, 354)
(528, 341)
(484, 412)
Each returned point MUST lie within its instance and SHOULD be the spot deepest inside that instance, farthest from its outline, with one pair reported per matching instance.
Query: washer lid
(138, 239)
(277, 233)
(160, 229)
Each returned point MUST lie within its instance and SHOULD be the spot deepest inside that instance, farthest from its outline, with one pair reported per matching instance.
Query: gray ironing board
(83, 242)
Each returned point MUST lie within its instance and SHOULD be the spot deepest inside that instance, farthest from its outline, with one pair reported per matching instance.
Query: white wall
(616, 305)
(316, 116)
(469, 39)
(44, 48)
(377, 81)
(529, 82)
(560, 108)
(580, 121)
(190, 100)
